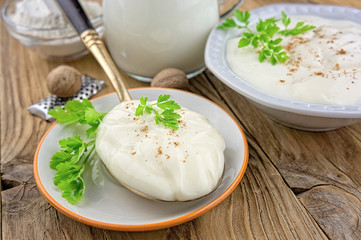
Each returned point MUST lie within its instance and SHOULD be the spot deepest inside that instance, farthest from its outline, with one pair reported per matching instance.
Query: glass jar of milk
(146, 36)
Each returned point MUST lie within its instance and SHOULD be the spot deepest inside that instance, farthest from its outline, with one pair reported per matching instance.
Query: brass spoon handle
(76, 15)
(96, 46)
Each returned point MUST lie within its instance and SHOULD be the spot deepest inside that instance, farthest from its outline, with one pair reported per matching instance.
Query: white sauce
(172, 165)
(324, 68)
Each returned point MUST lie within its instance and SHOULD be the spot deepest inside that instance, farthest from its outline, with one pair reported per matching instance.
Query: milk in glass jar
(146, 36)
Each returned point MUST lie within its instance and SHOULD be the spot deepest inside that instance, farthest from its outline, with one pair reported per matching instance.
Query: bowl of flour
(41, 26)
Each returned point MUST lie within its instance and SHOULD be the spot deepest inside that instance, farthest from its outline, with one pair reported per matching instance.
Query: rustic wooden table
(298, 185)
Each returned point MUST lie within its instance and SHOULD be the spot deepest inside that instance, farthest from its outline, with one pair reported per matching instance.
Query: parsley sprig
(264, 37)
(70, 161)
(167, 117)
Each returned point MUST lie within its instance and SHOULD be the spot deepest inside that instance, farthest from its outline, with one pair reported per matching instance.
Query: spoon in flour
(95, 45)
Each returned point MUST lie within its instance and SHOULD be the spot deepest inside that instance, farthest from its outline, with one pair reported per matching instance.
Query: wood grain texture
(298, 185)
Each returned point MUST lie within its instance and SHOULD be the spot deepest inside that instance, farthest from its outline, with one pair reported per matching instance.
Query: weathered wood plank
(337, 211)
(298, 185)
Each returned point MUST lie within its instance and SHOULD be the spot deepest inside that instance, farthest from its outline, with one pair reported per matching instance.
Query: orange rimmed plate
(108, 205)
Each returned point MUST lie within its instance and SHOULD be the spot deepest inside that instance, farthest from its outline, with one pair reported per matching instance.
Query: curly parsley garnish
(69, 162)
(167, 117)
(263, 38)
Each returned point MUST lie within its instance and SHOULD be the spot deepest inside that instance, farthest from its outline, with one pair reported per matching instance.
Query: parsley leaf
(242, 16)
(285, 19)
(263, 39)
(70, 161)
(298, 29)
(60, 157)
(67, 172)
(228, 23)
(73, 190)
(76, 111)
(167, 117)
(69, 164)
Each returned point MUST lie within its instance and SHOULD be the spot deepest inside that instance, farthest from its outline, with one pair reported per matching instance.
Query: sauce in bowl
(324, 65)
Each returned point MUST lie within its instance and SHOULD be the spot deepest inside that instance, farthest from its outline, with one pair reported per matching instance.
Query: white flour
(45, 14)
(42, 16)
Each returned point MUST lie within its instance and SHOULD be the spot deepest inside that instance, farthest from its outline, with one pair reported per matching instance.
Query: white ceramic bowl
(50, 43)
(295, 114)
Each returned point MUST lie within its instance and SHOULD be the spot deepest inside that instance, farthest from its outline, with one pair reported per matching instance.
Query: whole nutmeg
(170, 78)
(64, 81)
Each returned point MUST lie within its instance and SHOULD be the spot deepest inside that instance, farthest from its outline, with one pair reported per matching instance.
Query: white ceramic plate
(108, 205)
(315, 117)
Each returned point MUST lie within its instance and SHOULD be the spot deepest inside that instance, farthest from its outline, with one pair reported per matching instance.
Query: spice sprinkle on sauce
(324, 65)
(167, 164)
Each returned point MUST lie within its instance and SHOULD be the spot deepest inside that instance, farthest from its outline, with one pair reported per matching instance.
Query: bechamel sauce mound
(324, 65)
(167, 164)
